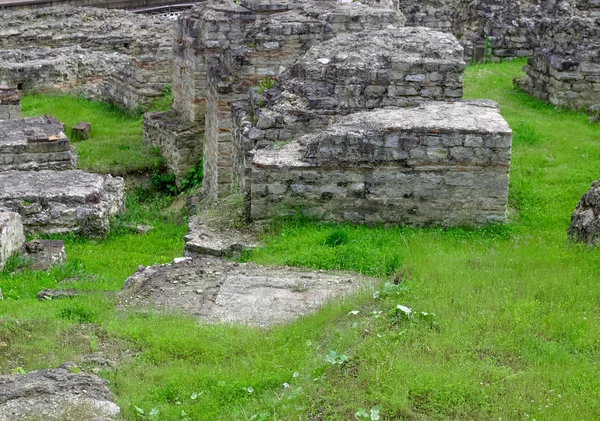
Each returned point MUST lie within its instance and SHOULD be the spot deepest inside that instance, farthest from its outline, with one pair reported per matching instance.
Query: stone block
(386, 170)
(12, 237)
(81, 131)
(585, 220)
(62, 201)
(35, 143)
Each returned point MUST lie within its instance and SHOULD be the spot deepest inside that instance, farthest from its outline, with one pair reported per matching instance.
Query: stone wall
(492, 29)
(35, 143)
(436, 164)
(394, 67)
(565, 71)
(111, 55)
(179, 140)
(10, 103)
(222, 48)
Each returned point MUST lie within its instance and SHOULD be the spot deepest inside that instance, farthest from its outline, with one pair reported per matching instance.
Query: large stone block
(435, 164)
(35, 143)
(62, 201)
(12, 238)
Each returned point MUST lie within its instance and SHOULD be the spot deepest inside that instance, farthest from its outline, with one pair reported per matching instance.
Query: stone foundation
(62, 201)
(12, 238)
(566, 70)
(220, 291)
(179, 141)
(436, 164)
(10, 103)
(109, 55)
(35, 143)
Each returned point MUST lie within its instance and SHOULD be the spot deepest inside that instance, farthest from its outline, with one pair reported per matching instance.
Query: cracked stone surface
(55, 394)
(35, 143)
(585, 220)
(62, 201)
(217, 290)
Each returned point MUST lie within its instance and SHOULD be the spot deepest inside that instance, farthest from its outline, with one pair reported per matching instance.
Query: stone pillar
(10, 103)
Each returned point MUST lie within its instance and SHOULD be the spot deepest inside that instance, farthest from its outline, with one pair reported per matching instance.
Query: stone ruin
(439, 163)
(110, 55)
(585, 220)
(220, 50)
(56, 394)
(494, 29)
(62, 201)
(10, 103)
(565, 71)
(297, 103)
(35, 143)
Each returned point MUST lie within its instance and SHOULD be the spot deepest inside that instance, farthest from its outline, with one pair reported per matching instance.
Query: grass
(514, 335)
(115, 145)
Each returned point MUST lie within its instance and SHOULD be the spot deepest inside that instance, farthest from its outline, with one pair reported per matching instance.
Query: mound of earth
(57, 394)
(217, 290)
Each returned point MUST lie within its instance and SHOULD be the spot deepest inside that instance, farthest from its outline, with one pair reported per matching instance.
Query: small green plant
(265, 84)
(142, 415)
(194, 177)
(19, 370)
(334, 358)
(260, 103)
(373, 414)
(164, 183)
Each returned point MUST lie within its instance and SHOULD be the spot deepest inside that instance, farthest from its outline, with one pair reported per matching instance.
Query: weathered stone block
(12, 238)
(81, 131)
(384, 171)
(10, 103)
(62, 201)
(35, 143)
(585, 220)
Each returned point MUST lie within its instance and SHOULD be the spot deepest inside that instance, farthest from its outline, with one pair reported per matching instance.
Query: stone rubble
(56, 394)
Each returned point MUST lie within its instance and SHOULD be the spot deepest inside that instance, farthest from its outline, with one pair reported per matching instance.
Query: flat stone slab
(206, 239)
(62, 201)
(35, 143)
(12, 238)
(54, 395)
(217, 290)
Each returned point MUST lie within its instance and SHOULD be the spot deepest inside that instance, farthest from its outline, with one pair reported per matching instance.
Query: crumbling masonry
(565, 71)
(269, 84)
(109, 55)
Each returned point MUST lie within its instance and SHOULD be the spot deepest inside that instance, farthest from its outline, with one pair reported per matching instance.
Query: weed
(264, 84)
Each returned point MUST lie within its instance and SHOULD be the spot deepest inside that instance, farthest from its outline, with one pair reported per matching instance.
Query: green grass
(115, 145)
(515, 335)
